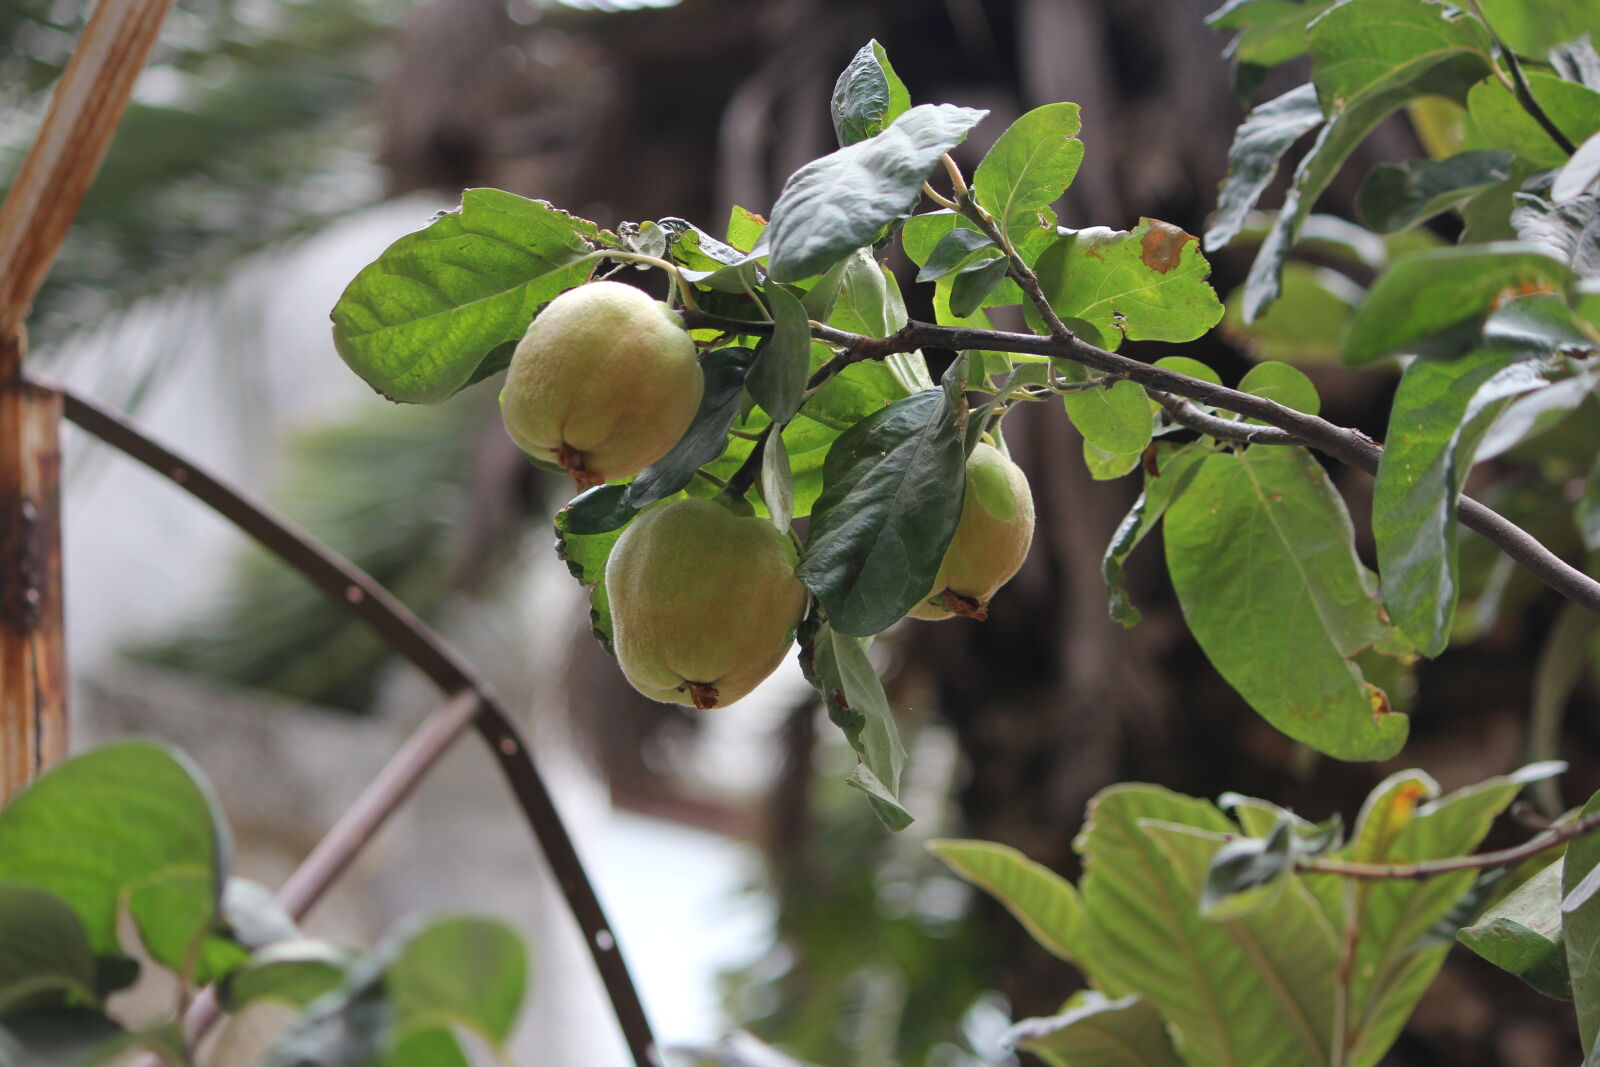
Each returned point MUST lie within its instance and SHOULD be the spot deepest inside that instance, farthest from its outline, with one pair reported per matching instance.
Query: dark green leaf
(837, 666)
(1030, 166)
(44, 952)
(594, 511)
(131, 820)
(418, 321)
(80, 1037)
(952, 251)
(1440, 414)
(1429, 292)
(1396, 197)
(891, 497)
(972, 286)
(1176, 467)
(1258, 146)
(1115, 419)
(1095, 1031)
(1370, 57)
(1580, 924)
(1148, 284)
(1262, 557)
(707, 436)
(1271, 31)
(1589, 509)
(777, 378)
(839, 203)
(868, 96)
(1522, 934)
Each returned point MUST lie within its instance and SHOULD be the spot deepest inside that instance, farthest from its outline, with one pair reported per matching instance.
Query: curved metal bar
(409, 636)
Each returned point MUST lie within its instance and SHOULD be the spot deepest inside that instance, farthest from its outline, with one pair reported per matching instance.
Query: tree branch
(1433, 868)
(1348, 446)
(411, 638)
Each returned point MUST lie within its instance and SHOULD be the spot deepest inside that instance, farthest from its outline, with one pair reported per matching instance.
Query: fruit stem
(681, 287)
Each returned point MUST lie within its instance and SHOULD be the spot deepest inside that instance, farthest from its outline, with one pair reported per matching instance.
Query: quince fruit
(704, 602)
(604, 383)
(990, 542)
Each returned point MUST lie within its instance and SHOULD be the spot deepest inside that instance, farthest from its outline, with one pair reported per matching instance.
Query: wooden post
(45, 193)
(33, 662)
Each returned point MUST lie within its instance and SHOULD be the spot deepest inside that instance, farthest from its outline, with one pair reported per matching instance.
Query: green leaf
(1441, 413)
(291, 972)
(1370, 57)
(1400, 947)
(776, 482)
(1534, 27)
(953, 249)
(1395, 197)
(837, 204)
(1497, 119)
(1147, 284)
(892, 494)
(1176, 467)
(1428, 293)
(837, 666)
(1115, 418)
(1146, 935)
(1580, 922)
(1304, 325)
(974, 286)
(1045, 903)
(777, 378)
(707, 437)
(1097, 1032)
(44, 952)
(130, 822)
(1262, 556)
(416, 322)
(1284, 937)
(1522, 934)
(1588, 514)
(1031, 164)
(1287, 385)
(81, 1037)
(736, 1050)
(1106, 466)
(1258, 147)
(868, 96)
(1271, 31)
(466, 971)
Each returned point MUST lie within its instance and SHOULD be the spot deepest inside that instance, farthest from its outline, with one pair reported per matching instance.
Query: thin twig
(1348, 446)
(1504, 857)
(407, 635)
(742, 479)
(1518, 84)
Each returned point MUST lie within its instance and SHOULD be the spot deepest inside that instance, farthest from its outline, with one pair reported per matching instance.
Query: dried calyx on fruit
(604, 383)
(704, 602)
(990, 542)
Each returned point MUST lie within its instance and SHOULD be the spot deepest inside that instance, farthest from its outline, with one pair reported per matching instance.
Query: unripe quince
(604, 382)
(990, 542)
(704, 602)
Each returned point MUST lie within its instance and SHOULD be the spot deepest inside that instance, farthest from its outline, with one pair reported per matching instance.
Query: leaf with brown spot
(1147, 284)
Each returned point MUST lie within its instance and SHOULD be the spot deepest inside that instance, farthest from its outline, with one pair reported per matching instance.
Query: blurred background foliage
(265, 120)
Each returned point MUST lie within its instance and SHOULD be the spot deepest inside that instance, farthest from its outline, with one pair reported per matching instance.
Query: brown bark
(33, 675)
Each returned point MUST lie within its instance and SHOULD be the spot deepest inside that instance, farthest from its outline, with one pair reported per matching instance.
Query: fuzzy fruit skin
(701, 595)
(605, 382)
(991, 538)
